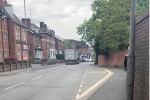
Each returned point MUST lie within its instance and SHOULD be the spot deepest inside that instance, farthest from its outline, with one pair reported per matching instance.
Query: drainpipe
(131, 56)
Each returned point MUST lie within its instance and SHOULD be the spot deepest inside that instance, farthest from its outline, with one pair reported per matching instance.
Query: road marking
(56, 70)
(79, 90)
(27, 71)
(80, 85)
(14, 86)
(81, 82)
(98, 83)
(37, 77)
(49, 73)
(77, 96)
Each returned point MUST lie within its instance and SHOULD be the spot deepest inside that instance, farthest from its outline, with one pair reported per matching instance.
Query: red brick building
(17, 35)
(4, 42)
(48, 43)
(34, 41)
(82, 47)
(59, 44)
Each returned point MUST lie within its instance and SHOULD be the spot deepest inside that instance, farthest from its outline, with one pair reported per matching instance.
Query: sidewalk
(114, 88)
(33, 68)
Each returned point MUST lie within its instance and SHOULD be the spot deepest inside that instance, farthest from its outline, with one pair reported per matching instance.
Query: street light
(131, 56)
(26, 33)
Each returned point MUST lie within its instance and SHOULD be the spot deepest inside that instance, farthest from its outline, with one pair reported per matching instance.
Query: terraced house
(34, 41)
(48, 43)
(17, 35)
(4, 42)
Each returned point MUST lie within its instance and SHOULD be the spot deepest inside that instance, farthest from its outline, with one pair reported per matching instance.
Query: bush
(60, 56)
(10, 59)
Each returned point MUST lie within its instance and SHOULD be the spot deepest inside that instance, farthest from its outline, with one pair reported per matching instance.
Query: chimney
(41, 24)
(23, 21)
(1, 3)
(28, 23)
(5, 3)
(45, 26)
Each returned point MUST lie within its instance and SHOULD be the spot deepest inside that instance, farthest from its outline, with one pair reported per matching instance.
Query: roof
(59, 38)
(17, 20)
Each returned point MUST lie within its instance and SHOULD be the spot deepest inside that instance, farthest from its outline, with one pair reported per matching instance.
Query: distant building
(59, 44)
(71, 44)
(82, 47)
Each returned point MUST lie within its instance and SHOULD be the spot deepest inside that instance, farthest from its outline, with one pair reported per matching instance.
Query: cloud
(63, 16)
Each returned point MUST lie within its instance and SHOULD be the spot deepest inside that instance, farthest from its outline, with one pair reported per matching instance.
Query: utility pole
(26, 33)
(131, 56)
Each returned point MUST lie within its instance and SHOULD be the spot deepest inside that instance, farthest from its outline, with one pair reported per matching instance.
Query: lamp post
(26, 33)
(131, 56)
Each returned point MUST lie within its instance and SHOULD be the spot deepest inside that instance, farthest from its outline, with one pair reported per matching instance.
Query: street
(60, 82)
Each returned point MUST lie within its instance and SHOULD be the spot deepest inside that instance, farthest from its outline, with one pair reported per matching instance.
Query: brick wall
(44, 46)
(83, 50)
(141, 77)
(113, 59)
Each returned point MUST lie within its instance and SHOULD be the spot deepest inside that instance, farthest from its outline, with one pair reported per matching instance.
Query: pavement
(24, 70)
(114, 88)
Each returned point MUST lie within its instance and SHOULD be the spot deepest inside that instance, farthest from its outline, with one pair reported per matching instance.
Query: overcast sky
(62, 16)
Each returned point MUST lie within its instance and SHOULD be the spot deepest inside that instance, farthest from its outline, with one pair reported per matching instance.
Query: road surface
(60, 82)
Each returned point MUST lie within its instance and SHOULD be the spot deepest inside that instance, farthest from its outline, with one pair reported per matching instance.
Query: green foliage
(60, 56)
(108, 28)
(66, 44)
(142, 6)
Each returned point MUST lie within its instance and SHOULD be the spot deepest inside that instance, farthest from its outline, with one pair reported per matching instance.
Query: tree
(66, 44)
(108, 28)
(142, 6)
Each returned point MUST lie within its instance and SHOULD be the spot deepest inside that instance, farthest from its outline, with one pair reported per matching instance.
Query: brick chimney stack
(28, 22)
(1, 3)
(41, 24)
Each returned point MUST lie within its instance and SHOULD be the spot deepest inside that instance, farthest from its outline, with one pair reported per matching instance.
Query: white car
(89, 59)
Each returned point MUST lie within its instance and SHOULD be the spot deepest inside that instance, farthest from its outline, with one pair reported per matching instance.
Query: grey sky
(63, 16)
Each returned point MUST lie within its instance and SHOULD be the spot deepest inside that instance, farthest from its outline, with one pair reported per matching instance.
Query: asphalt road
(60, 82)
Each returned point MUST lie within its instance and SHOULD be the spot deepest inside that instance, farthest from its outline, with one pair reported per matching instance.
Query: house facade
(48, 43)
(34, 42)
(4, 41)
(59, 44)
(17, 35)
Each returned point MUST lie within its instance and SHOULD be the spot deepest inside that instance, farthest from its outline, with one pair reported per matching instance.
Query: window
(38, 54)
(18, 52)
(23, 35)
(3, 20)
(52, 53)
(6, 54)
(17, 34)
(4, 37)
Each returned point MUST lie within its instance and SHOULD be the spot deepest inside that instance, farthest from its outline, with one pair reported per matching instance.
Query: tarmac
(114, 88)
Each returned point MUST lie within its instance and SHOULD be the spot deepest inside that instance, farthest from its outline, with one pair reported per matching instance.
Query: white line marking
(80, 85)
(98, 83)
(81, 82)
(37, 77)
(27, 71)
(14, 86)
(56, 70)
(79, 90)
(49, 73)
(77, 96)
